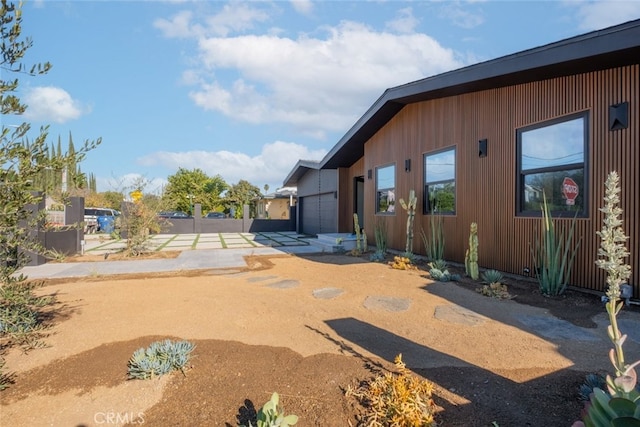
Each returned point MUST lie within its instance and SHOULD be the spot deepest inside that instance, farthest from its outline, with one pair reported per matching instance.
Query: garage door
(318, 214)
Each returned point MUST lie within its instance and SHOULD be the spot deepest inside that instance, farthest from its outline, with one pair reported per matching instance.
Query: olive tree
(22, 160)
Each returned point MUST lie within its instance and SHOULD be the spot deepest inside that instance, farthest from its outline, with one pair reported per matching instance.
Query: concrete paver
(198, 252)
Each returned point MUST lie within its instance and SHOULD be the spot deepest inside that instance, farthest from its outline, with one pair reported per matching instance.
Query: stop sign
(570, 190)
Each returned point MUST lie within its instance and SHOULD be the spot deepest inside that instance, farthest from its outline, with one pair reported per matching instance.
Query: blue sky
(246, 89)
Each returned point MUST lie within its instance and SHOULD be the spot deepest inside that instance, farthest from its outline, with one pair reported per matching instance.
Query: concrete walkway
(198, 252)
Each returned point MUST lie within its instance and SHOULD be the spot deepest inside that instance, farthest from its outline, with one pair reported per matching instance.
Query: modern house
(276, 205)
(485, 144)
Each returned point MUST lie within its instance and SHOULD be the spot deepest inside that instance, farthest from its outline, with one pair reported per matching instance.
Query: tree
(21, 162)
(106, 199)
(187, 187)
(240, 194)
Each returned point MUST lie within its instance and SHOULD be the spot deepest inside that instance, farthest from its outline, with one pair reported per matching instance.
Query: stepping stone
(460, 315)
(327, 293)
(387, 303)
(284, 284)
(551, 327)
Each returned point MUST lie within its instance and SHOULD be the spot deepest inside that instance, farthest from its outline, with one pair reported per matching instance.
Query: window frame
(379, 190)
(425, 199)
(584, 165)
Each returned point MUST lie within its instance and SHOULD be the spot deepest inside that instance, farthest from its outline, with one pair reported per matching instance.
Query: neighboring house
(276, 205)
(481, 143)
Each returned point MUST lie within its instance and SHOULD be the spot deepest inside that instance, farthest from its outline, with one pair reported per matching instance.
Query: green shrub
(21, 319)
(160, 358)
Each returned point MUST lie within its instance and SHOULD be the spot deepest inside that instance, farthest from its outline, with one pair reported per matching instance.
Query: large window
(386, 189)
(440, 182)
(551, 164)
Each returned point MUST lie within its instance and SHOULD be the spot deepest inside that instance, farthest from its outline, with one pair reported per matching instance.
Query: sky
(246, 89)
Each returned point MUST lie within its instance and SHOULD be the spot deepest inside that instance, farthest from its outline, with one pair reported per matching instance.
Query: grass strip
(164, 245)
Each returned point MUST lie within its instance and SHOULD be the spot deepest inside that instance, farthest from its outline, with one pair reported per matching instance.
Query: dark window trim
(425, 196)
(378, 190)
(569, 166)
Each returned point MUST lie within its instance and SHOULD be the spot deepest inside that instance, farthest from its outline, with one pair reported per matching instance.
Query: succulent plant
(438, 264)
(492, 276)
(410, 207)
(272, 415)
(160, 358)
(471, 257)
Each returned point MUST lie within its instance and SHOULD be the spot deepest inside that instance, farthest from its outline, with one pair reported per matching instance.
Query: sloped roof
(299, 170)
(611, 47)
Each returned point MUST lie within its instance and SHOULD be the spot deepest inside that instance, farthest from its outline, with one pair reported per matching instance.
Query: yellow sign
(136, 195)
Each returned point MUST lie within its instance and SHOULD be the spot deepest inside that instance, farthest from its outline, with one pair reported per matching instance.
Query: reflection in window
(386, 189)
(440, 182)
(552, 163)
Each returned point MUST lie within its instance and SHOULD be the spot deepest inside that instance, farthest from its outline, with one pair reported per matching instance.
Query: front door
(358, 199)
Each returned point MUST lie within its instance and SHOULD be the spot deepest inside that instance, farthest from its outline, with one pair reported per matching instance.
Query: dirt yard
(306, 327)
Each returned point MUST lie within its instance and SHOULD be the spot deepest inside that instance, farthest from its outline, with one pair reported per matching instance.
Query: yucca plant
(553, 255)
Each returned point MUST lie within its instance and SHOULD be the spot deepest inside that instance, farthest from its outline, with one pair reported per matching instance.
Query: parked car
(93, 217)
(215, 215)
(173, 214)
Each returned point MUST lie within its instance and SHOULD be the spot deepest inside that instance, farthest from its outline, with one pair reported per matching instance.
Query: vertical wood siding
(486, 187)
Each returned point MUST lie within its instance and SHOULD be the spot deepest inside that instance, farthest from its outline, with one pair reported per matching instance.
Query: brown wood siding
(486, 187)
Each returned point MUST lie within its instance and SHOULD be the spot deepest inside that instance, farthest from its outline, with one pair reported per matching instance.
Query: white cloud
(128, 182)
(49, 103)
(314, 84)
(595, 15)
(304, 7)
(179, 26)
(405, 22)
(233, 17)
(270, 166)
(461, 14)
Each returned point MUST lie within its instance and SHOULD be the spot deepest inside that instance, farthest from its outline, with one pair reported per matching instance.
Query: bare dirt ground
(271, 327)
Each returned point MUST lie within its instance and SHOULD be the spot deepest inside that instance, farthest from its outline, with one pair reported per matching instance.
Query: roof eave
(608, 48)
